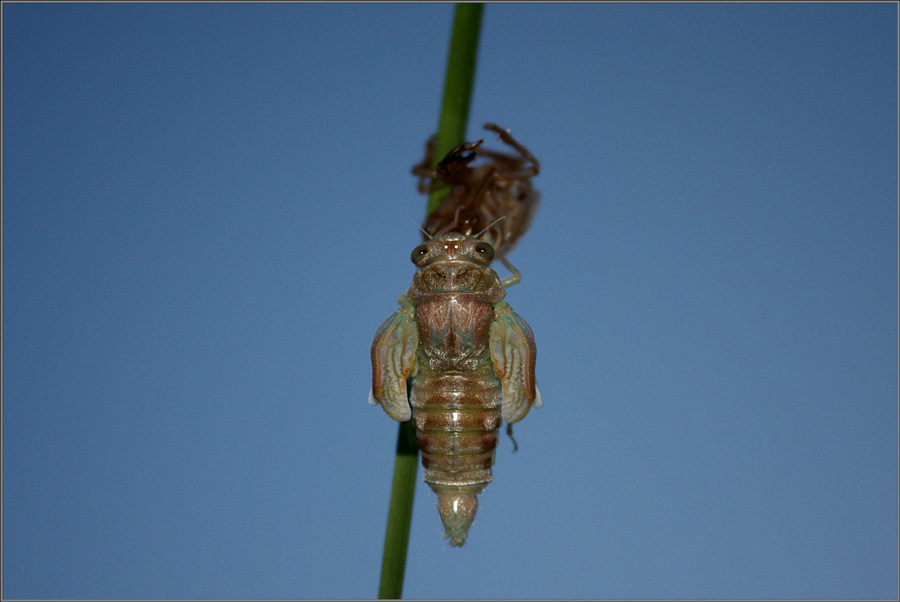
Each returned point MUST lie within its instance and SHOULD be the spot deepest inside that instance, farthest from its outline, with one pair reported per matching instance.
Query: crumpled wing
(513, 353)
(393, 357)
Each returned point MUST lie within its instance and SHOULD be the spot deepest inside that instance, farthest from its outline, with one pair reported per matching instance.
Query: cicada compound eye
(485, 251)
(418, 253)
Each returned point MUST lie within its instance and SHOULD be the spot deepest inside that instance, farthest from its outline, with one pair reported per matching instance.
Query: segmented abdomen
(457, 419)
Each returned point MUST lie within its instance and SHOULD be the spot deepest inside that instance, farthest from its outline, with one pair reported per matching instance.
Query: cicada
(470, 360)
(494, 199)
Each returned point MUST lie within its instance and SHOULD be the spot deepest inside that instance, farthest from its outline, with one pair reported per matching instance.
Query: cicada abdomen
(494, 198)
(471, 361)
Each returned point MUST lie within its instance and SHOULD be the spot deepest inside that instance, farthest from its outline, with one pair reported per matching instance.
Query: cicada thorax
(470, 360)
(494, 200)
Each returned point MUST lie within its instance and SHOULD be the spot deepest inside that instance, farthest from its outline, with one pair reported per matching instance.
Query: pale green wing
(513, 353)
(393, 357)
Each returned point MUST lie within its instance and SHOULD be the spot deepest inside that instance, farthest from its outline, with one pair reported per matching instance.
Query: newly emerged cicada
(470, 360)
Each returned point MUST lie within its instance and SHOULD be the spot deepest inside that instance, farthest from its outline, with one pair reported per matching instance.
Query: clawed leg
(513, 439)
(424, 170)
(508, 139)
(514, 278)
(447, 174)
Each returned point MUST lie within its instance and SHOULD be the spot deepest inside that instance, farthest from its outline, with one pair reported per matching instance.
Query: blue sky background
(206, 216)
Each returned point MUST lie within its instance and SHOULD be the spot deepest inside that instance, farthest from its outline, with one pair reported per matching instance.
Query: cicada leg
(509, 430)
(508, 139)
(514, 278)
(424, 170)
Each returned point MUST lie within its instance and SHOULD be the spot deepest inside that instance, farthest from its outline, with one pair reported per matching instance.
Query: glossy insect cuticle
(418, 253)
(485, 250)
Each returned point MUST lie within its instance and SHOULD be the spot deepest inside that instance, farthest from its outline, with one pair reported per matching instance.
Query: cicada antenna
(425, 232)
(489, 226)
(516, 276)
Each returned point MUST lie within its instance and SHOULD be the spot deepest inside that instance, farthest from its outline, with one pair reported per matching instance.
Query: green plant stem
(403, 488)
(451, 133)
(457, 88)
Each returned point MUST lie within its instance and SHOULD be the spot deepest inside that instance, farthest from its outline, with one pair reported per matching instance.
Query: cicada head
(453, 247)
(455, 263)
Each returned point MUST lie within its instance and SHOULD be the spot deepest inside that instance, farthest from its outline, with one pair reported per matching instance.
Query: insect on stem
(459, 361)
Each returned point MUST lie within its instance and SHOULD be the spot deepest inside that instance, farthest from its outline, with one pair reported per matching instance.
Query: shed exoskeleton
(471, 362)
(493, 198)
